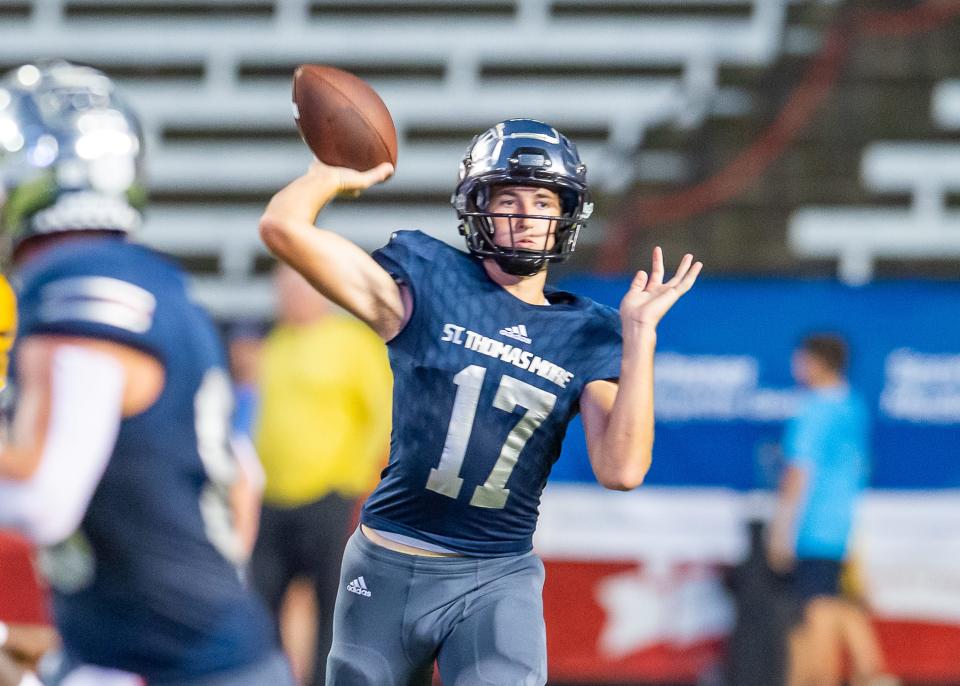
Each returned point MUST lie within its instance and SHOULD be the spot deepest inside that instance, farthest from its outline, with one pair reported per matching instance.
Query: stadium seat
(927, 228)
(946, 105)
(211, 79)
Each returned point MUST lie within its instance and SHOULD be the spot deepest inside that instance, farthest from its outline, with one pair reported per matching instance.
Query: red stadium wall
(576, 621)
(919, 652)
(608, 621)
(636, 583)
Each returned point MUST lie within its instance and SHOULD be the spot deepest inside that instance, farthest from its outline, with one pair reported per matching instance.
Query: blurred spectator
(826, 450)
(8, 327)
(756, 648)
(244, 341)
(322, 434)
(8, 330)
(244, 347)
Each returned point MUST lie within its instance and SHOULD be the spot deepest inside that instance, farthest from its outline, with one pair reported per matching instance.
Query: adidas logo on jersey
(359, 586)
(518, 332)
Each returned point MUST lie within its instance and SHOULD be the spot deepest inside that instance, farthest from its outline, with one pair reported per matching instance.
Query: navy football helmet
(71, 154)
(521, 152)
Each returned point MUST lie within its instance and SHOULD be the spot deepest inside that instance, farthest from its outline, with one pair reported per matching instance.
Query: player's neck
(37, 245)
(828, 383)
(529, 289)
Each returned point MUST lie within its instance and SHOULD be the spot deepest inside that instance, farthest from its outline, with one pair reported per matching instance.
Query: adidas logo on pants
(359, 586)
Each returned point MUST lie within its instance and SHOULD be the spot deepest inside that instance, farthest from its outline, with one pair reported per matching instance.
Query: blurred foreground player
(827, 451)
(489, 367)
(119, 463)
(21, 646)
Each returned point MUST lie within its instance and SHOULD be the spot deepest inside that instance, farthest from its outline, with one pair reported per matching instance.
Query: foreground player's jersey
(146, 584)
(484, 387)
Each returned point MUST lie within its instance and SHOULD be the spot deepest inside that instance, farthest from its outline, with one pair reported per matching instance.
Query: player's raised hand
(350, 182)
(649, 297)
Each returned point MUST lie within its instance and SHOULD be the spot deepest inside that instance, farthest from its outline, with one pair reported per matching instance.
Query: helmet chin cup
(520, 265)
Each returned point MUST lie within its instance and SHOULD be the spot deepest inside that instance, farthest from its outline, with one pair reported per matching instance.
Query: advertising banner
(638, 582)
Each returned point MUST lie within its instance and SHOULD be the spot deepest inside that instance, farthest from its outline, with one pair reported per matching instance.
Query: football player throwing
(490, 365)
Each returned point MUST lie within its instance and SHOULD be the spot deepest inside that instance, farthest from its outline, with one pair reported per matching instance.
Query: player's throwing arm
(348, 128)
(336, 267)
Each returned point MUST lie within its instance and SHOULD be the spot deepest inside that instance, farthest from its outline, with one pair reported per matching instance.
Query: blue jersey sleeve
(414, 260)
(409, 256)
(92, 299)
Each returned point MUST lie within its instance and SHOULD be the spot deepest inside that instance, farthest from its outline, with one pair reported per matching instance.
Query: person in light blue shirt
(828, 441)
(826, 446)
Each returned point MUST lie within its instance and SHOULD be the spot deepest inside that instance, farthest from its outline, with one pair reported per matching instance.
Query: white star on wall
(662, 603)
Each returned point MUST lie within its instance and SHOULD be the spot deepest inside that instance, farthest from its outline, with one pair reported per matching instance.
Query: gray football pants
(480, 618)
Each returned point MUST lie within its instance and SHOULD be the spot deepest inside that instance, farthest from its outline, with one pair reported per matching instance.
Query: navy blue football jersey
(484, 387)
(148, 583)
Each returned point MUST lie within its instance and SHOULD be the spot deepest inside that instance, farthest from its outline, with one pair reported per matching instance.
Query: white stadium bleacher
(211, 79)
(927, 229)
(946, 105)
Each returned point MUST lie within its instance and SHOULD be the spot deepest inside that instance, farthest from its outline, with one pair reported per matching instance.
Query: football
(342, 119)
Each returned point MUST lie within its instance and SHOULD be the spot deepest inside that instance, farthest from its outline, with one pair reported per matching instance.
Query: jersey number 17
(512, 393)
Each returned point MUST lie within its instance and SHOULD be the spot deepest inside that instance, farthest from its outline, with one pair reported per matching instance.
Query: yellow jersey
(323, 423)
(8, 327)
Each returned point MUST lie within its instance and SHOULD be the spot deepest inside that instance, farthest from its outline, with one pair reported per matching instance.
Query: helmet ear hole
(482, 198)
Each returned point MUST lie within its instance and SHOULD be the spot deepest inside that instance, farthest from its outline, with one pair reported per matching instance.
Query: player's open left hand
(649, 297)
(350, 182)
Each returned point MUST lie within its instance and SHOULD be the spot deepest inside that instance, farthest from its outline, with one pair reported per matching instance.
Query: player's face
(809, 370)
(524, 233)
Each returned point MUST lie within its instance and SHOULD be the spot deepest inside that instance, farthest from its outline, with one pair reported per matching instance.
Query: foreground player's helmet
(71, 154)
(521, 152)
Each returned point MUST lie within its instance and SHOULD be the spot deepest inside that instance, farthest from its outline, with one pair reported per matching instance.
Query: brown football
(342, 119)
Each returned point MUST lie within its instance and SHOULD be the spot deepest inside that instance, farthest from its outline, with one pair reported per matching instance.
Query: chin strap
(520, 266)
